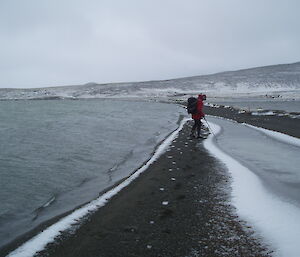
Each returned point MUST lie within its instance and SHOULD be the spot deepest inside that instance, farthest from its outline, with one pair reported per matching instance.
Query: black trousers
(197, 125)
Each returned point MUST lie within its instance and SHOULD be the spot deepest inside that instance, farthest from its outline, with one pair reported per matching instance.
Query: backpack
(192, 105)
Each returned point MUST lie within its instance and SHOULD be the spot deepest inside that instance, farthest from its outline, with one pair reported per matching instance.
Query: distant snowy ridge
(271, 81)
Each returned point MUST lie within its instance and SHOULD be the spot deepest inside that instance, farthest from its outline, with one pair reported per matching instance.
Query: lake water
(57, 155)
(253, 104)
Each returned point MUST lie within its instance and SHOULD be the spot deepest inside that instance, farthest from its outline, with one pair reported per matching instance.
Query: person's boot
(198, 133)
(192, 135)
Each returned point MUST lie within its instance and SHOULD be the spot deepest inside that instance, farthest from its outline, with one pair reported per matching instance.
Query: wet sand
(180, 206)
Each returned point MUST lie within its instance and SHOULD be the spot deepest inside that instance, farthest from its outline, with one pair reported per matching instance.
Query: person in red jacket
(198, 116)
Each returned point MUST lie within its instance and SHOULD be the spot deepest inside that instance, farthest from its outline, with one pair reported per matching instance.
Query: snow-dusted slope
(274, 81)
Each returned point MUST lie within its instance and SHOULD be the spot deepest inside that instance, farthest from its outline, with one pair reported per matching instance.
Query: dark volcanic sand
(197, 221)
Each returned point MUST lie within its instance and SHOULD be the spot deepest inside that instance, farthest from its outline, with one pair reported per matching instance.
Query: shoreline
(104, 196)
(290, 127)
(15, 231)
(283, 124)
(180, 206)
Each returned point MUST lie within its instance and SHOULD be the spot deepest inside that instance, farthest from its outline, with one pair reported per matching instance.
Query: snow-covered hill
(270, 81)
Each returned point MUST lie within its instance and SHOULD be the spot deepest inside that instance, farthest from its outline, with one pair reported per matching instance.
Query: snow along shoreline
(277, 135)
(277, 221)
(39, 242)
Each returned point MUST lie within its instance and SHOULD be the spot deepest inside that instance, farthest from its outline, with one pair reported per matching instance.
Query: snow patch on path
(277, 221)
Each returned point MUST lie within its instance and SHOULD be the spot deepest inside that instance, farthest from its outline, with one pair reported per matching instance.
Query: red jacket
(200, 113)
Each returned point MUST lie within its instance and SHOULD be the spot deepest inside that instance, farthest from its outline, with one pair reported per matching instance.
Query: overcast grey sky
(67, 42)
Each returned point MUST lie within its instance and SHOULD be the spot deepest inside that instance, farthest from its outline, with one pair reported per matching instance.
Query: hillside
(277, 80)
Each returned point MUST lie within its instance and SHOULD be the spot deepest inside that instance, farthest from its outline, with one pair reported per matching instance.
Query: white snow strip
(269, 113)
(276, 220)
(39, 242)
(277, 135)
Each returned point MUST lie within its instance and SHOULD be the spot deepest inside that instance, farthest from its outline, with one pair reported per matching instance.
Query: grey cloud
(46, 43)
